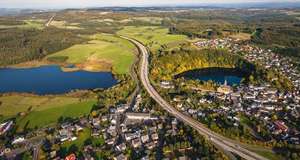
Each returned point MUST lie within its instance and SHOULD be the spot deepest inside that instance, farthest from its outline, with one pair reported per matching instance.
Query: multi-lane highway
(216, 139)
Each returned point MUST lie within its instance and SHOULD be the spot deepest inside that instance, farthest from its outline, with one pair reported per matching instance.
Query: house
(71, 157)
(166, 85)
(64, 135)
(139, 116)
(280, 125)
(96, 122)
(78, 128)
(145, 138)
(121, 147)
(150, 145)
(110, 141)
(53, 154)
(154, 136)
(225, 89)
(18, 140)
(120, 157)
(4, 127)
(122, 108)
(130, 136)
(136, 143)
(95, 133)
(112, 130)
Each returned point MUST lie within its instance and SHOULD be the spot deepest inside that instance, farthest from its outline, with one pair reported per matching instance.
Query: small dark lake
(52, 80)
(218, 75)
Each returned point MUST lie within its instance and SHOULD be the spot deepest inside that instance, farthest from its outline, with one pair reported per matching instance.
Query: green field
(12, 105)
(37, 24)
(65, 25)
(101, 52)
(152, 20)
(51, 115)
(151, 36)
(269, 155)
(41, 111)
(82, 137)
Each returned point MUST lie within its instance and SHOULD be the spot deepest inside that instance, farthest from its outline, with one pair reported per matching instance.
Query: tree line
(20, 45)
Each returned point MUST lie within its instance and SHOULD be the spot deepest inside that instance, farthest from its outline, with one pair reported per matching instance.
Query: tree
(73, 149)
(88, 142)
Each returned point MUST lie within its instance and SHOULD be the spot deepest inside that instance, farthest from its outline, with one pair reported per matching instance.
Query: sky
(105, 3)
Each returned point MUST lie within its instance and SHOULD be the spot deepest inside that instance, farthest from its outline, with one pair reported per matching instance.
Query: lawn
(79, 142)
(151, 36)
(84, 138)
(101, 50)
(42, 118)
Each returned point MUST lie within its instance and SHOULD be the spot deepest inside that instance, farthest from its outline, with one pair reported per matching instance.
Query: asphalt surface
(218, 140)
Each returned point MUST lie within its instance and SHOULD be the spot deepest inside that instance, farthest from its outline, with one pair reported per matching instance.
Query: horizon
(58, 4)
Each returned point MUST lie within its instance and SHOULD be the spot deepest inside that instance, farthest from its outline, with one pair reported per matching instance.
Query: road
(33, 143)
(50, 20)
(216, 139)
(36, 152)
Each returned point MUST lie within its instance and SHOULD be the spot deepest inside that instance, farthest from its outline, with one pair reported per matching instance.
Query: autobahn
(218, 140)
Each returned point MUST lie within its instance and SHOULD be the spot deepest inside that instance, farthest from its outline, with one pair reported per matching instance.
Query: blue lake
(218, 75)
(52, 80)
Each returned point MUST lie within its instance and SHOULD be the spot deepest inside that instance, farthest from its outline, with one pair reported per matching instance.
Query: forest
(30, 44)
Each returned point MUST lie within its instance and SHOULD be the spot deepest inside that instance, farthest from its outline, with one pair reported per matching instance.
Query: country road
(218, 140)
(50, 20)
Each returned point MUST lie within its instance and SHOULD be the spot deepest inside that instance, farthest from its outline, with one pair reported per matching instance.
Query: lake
(218, 75)
(52, 80)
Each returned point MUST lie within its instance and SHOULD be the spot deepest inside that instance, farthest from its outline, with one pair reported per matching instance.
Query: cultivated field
(102, 52)
(151, 36)
(65, 25)
(37, 24)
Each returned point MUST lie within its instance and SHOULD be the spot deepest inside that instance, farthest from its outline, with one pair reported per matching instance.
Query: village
(277, 112)
(123, 128)
(127, 128)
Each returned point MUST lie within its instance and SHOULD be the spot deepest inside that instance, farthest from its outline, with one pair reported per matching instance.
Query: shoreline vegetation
(65, 67)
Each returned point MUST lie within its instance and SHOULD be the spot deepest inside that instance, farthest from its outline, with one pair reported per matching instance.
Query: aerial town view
(147, 80)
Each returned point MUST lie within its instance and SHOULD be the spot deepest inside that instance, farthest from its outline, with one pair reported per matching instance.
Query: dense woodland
(20, 45)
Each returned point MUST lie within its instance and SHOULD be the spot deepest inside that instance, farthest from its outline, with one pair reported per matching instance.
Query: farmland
(102, 52)
(26, 24)
(152, 36)
(38, 111)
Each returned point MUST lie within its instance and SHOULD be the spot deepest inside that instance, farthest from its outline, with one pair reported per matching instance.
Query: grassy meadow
(65, 25)
(102, 52)
(28, 24)
(152, 36)
(39, 111)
